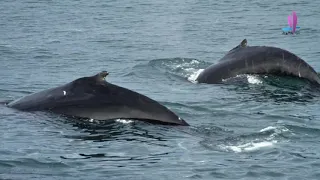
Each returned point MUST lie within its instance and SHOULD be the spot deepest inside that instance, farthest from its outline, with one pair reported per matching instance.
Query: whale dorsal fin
(101, 76)
(243, 43)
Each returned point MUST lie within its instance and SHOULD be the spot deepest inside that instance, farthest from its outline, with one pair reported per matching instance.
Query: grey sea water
(263, 128)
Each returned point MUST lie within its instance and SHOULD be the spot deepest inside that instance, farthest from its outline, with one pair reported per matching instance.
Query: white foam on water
(276, 131)
(194, 62)
(248, 147)
(123, 121)
(192, 78)
(187, 64)
(255, 145)
(253, 79)
(73, 156)
(182, 146)
(91, 120)
(268, 128)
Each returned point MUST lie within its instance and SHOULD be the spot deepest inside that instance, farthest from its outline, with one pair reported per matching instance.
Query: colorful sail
(294, 21)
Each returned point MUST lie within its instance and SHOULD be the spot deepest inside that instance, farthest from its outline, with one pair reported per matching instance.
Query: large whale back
(93, 97)
(245, 59)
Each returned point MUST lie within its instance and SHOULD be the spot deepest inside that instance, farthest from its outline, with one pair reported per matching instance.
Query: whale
(244, 59)
(93, 97)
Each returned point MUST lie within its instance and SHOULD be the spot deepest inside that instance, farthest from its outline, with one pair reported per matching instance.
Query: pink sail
(294, 21)
(290, 21)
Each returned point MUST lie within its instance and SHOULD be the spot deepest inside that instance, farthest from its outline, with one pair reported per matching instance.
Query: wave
(183, 68)
(265, 138)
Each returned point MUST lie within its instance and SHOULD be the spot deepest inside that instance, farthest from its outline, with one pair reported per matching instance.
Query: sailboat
(292, 22)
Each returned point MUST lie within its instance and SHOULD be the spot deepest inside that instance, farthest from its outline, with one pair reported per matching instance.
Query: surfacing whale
(245, 59)
(95, 98)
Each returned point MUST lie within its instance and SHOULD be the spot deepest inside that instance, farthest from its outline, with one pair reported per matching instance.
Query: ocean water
(261, 127)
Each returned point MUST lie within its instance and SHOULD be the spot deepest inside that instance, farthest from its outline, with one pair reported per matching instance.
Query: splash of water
(193, 77)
